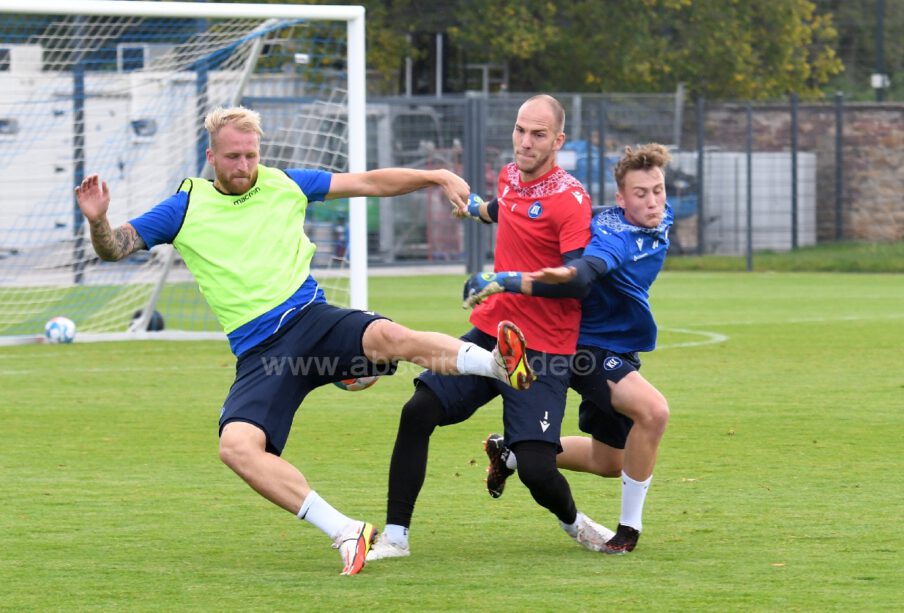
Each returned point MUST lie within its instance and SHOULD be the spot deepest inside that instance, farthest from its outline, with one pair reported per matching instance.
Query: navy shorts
(593, 368)
(534, 414)
(320, 345)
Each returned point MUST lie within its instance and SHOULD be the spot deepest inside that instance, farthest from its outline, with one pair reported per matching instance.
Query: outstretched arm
(479, 210)
(573, 280)
(578, 274)
(93, 197)
(398, 181)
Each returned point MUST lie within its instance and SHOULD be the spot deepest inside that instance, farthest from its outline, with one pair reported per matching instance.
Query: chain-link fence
(744, 177)
(782, 176)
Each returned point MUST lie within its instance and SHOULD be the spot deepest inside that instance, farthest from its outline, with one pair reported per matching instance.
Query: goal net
(121, 89)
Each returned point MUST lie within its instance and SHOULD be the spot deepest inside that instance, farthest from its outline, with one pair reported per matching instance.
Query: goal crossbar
(124, 8)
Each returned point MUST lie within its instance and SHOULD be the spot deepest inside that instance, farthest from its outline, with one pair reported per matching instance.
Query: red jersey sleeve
(574, 233)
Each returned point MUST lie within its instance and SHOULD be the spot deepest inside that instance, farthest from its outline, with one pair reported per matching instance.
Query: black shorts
(319, 345)
(534, 414)
(593, 368)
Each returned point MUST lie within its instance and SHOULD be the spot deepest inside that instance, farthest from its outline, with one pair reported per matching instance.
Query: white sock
(633, 495)
(511, 462)
(572, 529)
(474, 360)
(396, 534)
(318, 512)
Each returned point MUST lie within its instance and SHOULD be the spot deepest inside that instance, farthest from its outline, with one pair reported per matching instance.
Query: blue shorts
(534, 414)
(593, 368)
(319, 345)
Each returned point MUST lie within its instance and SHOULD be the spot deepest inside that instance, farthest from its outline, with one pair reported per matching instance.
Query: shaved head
(538, 135)
(554, 106)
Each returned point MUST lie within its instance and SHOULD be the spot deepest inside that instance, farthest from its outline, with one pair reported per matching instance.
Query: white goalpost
(121, 89)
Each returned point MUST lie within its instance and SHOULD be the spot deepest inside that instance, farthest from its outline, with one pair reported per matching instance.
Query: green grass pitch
(779, 484)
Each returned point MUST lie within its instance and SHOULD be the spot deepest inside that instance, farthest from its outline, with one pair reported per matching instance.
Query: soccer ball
(356, 384)
(59, 330)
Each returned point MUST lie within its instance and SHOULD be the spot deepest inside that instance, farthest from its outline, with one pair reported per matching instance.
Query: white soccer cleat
(591, 535)
(384, 548)
(353, 544)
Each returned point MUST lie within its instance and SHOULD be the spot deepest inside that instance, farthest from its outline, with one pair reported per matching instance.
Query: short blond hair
(244, 120)
(645, 157)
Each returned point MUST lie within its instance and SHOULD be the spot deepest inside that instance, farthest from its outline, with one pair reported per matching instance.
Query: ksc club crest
(535, 210)
(611, 363)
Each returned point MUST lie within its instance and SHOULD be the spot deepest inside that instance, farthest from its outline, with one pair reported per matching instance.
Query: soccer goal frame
(355, 100)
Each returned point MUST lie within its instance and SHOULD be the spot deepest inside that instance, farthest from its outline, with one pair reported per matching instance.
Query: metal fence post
(678, 124)
(839, 166)
(601, 128)
(474, 162)
(749, 186)
(794, 212)
(701, 208)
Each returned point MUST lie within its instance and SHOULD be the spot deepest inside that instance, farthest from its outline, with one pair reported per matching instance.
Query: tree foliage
(856, 21)
(720, 48)
(752, 49)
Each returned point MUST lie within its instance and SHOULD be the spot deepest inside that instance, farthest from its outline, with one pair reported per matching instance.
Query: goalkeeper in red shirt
(544, 220)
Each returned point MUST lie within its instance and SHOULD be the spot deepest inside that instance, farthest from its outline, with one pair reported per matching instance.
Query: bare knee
(239, 443)
(654, 416)
(386, 340)
(637, 399)
(659, 414)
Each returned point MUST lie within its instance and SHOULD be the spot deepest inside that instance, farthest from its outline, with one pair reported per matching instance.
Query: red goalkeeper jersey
(538, 222)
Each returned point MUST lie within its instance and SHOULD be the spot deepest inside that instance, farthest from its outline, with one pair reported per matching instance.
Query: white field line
(115, 369)
(709, 338)
(712, 338)
(806, 320)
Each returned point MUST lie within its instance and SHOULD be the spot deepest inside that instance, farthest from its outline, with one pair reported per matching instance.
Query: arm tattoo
(127, 240)
(113, 245)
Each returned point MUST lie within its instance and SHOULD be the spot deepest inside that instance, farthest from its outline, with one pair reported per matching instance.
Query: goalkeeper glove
(474, 202)
(483, 285)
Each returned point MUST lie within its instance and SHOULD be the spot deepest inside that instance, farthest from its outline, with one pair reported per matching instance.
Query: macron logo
(247, 196)
(579, 196)
(544, 423)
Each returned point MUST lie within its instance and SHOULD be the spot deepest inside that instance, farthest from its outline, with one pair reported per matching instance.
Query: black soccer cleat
(497, 471)
(624, 541)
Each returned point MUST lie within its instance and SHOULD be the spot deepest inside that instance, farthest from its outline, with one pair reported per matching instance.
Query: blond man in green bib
(242, 237)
